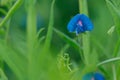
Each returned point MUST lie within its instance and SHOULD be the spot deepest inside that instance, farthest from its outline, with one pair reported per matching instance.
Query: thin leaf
(40, 31)
(41, 39)
(108, 61)
(114, 8)
(115, 13)
(67, 39)
(50, 27)
(15, 61)
(11, 11)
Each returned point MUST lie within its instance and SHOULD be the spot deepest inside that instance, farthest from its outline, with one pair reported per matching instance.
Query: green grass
(49, 53)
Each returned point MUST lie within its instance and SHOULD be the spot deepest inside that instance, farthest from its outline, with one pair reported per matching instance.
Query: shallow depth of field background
(101, 41)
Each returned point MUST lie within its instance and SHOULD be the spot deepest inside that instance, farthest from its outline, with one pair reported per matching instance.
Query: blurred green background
(101, 17)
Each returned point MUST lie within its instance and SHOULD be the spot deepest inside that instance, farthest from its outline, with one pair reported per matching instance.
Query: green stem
(80, 50)
(50, 27)
(114, 72)
(85, 37)
(6, 39)
(83, 8)
(7, 31)
(11, 11)
(86, 49)
(31, 37)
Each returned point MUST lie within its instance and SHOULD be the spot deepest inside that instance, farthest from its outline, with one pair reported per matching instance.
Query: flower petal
(98, 76)
(80, 23)
(72, 24)
(86, 22)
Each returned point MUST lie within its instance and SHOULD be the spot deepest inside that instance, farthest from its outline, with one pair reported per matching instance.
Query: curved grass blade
(50, 27)
(108, 61)
(11, 11)
(68, 40)
(40, 31)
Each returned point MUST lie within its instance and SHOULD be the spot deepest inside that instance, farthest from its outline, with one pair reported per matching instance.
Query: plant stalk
(85, 36)
(31, 37)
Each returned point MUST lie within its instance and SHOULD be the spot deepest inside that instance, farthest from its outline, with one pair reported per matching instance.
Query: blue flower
(79, 24)
(93, 76)
(98, 76)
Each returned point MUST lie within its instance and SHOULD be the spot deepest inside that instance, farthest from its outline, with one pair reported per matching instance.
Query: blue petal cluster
(93, 76)
(98, 76)
(79, 24)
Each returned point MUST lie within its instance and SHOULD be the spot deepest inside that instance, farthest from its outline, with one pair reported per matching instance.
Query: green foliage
(67, 39)
(2, 75)
(114, 8)
(50, 27)
(11, 11)
(31, 54)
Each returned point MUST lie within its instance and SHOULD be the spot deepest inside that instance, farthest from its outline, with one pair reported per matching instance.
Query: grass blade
(109, 61)
(50, 27)
(15, 61)
(115, 13)
(67, 39)
(11, 11)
